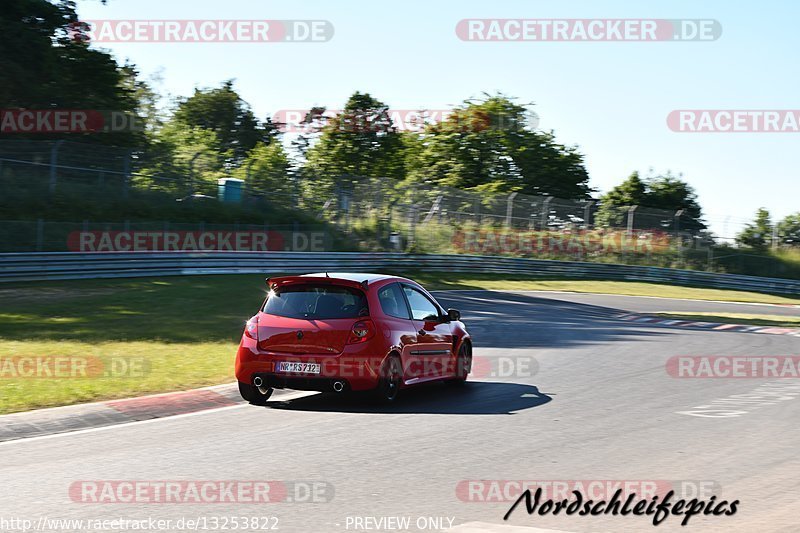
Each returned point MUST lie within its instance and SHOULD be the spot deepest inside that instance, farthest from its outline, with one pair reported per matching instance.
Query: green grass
(777, 321)
(185, 329)
(114, 369)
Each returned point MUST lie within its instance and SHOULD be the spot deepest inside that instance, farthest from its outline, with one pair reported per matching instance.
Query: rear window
(316, 302)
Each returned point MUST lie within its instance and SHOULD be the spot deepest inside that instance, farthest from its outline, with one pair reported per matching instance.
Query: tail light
(362, 331)
(251, 328)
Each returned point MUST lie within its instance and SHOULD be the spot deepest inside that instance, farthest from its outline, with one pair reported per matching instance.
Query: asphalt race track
(563, 391)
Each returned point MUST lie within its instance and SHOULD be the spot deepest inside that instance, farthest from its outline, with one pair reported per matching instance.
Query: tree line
(485, 145)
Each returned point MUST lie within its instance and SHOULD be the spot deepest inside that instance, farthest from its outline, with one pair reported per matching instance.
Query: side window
(392, 302)
(421, 307)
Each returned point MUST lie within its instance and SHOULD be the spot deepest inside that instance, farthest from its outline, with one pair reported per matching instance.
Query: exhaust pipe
(338, 386)
(262, 387)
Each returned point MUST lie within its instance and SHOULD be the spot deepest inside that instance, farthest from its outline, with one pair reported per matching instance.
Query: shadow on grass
(170, 309)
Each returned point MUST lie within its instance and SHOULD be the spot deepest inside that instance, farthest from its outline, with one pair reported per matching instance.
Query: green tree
(356, 148)
(615, 203)
(489, 145)
(147, 99)
(757, 234)
(189, 159)
(360, 141)
(267, 169)
(223, 111)
(43, 65)
(666, 194)
(789, 230)
(210, 135)
(671, 194)
(146, 119)
(312, 123)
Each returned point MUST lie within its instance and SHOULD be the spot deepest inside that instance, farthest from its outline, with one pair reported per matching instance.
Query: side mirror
(454, 315)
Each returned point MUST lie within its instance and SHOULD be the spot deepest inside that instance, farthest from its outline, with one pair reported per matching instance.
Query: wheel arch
(465, 340)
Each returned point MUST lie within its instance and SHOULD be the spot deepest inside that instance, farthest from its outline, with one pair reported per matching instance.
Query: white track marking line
(104, 403)
(114, 426)
(293, 396)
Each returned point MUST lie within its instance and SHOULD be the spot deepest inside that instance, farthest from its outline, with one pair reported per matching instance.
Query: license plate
(302, 368)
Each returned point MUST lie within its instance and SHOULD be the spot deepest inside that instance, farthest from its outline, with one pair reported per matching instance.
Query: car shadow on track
(473, 398)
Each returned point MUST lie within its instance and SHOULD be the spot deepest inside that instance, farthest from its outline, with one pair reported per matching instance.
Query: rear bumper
(358, 371)
(278, 381)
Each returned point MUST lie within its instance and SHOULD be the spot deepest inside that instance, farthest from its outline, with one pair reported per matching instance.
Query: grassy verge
(457, 280)
(185, 330)
(737, 318)
(161, 334)
(107, 370)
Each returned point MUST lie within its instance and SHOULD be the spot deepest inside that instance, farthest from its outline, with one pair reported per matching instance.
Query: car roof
(352, 276)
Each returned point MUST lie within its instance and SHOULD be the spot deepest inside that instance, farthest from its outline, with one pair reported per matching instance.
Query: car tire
(390, 380)
(463, 364)
(253, 394)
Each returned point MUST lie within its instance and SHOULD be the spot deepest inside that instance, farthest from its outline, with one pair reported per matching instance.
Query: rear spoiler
(274, 283)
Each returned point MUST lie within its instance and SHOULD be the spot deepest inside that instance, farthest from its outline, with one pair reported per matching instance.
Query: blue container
(229, 190)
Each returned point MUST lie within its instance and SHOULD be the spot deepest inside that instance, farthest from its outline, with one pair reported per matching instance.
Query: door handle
(422, 332)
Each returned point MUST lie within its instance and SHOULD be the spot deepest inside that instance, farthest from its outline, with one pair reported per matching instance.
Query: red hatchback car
(350, 332)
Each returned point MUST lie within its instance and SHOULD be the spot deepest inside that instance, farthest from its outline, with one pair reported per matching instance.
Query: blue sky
(611, 99)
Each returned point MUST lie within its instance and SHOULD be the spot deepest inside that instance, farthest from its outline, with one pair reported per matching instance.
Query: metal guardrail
(54, 266)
